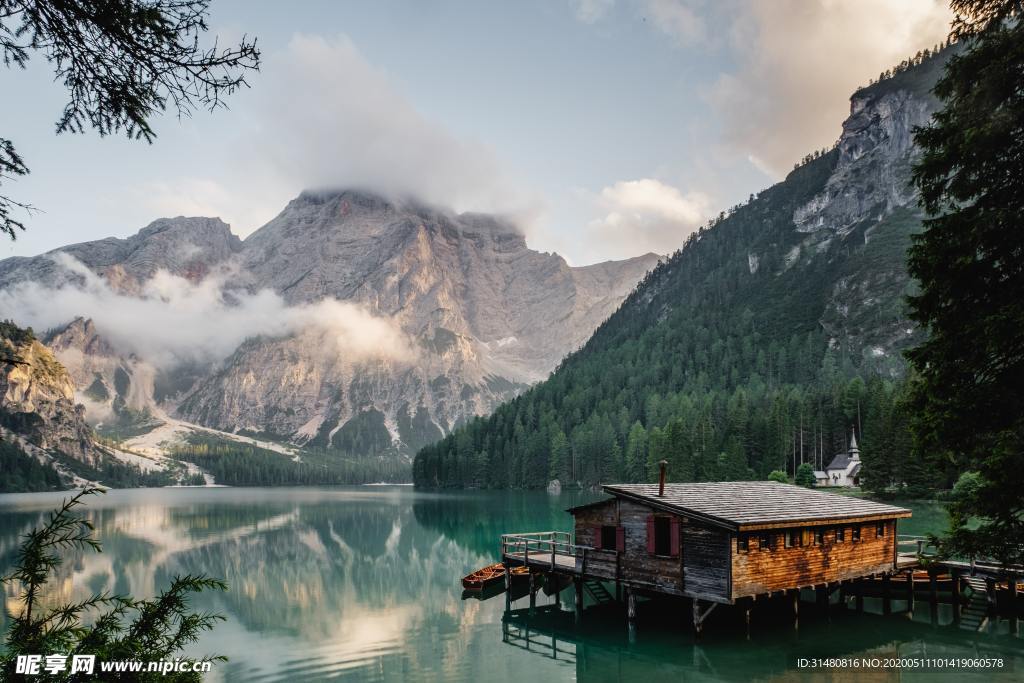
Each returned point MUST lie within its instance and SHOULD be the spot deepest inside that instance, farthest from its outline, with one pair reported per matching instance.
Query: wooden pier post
(957, 606)
(508, 588)
(746, 615)
(933, 596)
(910, 593)
(630, 604)
(697, 625)
(795, 597)
(886, 595)
(533, 593)
(1011, 582)
(578, 586)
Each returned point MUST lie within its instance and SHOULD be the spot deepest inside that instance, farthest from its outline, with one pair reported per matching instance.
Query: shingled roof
(742, 504)
(839, 462)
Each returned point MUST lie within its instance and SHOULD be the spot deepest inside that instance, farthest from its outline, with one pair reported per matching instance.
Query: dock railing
(914, 546)
(541, 545)
(547, 546)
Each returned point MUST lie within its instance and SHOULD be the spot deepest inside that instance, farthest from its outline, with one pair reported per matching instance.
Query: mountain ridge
(754, 347)
(485, 315)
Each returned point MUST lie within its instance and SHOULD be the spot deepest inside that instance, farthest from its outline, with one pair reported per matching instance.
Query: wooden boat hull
(482, 578)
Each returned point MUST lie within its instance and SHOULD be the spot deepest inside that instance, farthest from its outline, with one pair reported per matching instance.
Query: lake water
(362, 584)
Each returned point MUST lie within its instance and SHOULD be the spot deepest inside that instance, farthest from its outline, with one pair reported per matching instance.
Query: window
(819, 536)
(764, 542)
(840, 534)
(608, 537)
(880, 530)
(662, 536)
(855, 533)
(743, 543)
(790, 538)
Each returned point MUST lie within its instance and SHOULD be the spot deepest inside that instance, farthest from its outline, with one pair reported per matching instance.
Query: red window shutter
(597, 536)
(674, 541)
(620, 539)
(650, 534)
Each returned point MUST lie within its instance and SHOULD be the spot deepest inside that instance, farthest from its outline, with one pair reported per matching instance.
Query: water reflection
(363, 584)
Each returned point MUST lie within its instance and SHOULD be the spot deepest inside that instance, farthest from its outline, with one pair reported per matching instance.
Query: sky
(603, 128)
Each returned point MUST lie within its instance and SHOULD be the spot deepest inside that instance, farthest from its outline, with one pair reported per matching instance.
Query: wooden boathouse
(716, 542)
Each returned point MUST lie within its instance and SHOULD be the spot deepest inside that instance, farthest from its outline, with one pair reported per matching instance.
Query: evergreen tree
(804, 475)
(122, 62)
(109, 627)
(636, 454)
(968, 399)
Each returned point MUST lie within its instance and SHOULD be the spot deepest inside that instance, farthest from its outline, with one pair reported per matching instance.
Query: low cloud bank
(174, 320)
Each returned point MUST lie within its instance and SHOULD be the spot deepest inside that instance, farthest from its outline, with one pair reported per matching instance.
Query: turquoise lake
(363, 584)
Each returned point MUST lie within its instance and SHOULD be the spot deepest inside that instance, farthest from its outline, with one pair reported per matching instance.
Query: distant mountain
(755, 347)
(484, 315)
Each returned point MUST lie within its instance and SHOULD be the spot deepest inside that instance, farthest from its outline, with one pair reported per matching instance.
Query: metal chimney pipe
(661, 477)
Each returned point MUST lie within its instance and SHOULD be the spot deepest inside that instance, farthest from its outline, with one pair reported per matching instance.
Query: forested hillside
(759, 345)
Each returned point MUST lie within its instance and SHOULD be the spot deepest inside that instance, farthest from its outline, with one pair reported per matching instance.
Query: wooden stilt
(578, 586)
(1014, 624)
(630, 604)
(933, 597)
(795, 597)
(697, 625)
(886, 594)
(508, 589)
(533, 593)
(957, 606)
(746, 617)
(910, 593)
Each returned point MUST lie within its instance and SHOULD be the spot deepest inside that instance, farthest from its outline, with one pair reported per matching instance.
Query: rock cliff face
(861, 222)
(487, 316)
(484, 314)
(37, 397)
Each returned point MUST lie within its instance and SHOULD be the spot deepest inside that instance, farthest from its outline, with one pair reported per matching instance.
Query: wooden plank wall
(662, 573)
(636, 565)
(600, 563)
(706, 561)
(758, 571)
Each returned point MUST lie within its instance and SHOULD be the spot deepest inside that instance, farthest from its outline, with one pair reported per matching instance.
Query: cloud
(679, 19)
(174, 320)
(590, 11)
(800, 60)
(645, 215)
(324, 117)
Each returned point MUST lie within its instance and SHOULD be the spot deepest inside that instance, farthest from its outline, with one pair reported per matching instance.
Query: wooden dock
(740, 543)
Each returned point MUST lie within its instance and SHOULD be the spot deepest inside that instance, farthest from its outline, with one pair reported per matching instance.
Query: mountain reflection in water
(363, 584)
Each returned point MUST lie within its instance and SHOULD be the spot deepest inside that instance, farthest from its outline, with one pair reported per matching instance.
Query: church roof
(840, 462)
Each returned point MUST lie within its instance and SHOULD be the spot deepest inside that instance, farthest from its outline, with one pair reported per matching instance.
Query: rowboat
(482, 578)
(490, 575)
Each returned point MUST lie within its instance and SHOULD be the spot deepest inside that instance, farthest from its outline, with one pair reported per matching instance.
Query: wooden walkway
(550, 562)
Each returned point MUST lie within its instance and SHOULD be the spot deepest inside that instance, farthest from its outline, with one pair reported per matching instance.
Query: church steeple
(854, 450)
